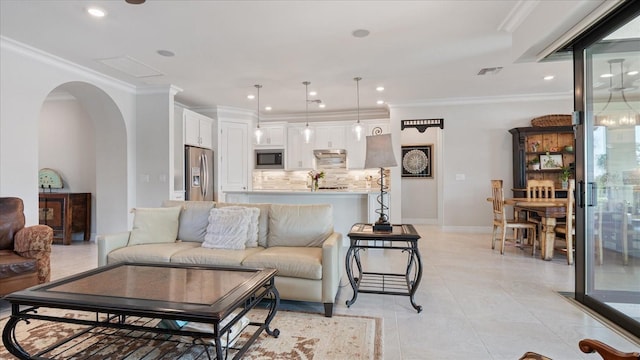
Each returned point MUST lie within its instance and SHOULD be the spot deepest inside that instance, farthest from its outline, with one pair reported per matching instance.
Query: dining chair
(567, 227)
(500, 221)
(537, 188)
(540, 189)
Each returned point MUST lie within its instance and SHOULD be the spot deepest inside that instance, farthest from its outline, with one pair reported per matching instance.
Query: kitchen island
(349, 207)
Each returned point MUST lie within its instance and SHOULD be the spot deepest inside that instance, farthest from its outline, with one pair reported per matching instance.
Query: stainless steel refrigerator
(198, 173)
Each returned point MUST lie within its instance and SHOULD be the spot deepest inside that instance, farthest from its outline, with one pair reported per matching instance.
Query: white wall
(28, 76)
(476, 144)
(67, 145)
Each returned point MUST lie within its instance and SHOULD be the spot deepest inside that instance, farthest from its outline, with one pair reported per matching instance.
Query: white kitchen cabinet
(233, 165)
(272, 135)
(299, 154)
(198, 129)
(330, 136)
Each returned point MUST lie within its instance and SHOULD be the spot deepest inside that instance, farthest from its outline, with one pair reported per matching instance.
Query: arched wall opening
(83, 134)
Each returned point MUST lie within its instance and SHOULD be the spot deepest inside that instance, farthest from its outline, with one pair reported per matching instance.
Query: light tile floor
(477, 303)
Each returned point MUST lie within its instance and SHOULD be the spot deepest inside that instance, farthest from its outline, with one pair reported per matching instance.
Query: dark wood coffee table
(193, 293)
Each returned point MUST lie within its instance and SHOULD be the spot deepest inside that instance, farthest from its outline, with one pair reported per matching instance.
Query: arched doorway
(93, 141)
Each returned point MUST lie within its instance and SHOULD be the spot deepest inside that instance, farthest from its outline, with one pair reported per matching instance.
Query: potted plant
(565, 174)
(534, 163)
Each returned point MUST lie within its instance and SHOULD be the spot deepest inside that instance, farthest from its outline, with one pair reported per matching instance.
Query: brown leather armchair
(24, 251)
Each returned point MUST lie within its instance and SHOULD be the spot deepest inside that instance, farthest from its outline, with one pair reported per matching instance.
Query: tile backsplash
(335, 179)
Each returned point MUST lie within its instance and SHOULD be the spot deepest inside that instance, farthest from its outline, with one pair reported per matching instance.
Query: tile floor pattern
(477, 303)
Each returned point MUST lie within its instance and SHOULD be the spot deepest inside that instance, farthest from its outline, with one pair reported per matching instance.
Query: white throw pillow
(154, 225)
(227, 229)
(252, 229)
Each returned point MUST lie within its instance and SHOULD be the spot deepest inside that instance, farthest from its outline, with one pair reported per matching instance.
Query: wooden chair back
(497, 193)
(540, 189)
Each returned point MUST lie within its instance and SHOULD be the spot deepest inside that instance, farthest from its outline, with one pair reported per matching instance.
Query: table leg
(9, 335)
(353, 255)
(272, 312)
(548, 237)
(413, 284)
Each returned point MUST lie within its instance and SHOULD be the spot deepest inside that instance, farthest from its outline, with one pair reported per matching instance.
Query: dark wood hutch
(553, 140)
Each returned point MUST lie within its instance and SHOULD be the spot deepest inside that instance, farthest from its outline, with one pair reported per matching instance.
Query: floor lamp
(380, 155)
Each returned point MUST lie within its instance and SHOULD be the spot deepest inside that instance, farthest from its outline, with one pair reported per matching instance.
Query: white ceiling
(420, 51)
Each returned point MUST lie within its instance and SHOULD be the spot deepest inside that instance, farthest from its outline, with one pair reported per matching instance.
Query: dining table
(549, 210)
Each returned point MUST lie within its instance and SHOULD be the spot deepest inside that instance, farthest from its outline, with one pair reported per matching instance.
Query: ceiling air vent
(490, 70)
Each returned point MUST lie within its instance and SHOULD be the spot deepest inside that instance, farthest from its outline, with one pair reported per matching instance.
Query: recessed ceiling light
(135, 2)
(166, 53)
(606, 75)
(631, 73)
(380, 88)
(251, 96)
(322, 106)
(360, 33)
(96, 12)
(549, 77)
(267, 108)
(313, 93)
(380, 102)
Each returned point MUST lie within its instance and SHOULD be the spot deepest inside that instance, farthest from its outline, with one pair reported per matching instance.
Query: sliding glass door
(607, 69)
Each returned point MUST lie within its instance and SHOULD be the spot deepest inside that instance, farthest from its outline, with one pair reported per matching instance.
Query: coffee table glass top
(147, 289)
(187, 285)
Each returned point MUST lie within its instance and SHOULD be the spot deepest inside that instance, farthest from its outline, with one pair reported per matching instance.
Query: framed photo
(417, 161)
(550, 161)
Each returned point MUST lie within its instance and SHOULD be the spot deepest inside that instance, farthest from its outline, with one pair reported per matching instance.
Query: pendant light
(357, 127)
(307, 130)
(623, 117)
(258, 131)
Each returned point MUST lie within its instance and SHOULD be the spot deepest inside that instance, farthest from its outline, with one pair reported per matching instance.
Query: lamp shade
(379, 152)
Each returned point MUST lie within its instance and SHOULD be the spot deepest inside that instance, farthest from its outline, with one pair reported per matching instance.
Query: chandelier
(627, 116)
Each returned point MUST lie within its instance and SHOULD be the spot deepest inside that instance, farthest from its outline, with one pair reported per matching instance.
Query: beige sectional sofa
(297, 240)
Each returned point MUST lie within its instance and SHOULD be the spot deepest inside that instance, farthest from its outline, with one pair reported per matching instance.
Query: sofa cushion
(194, 218)
(204, 256)
(227, 229)
(299, 225)
(154, 225)
(252, 228)
(149, 252)
(302, 262)
(263, 219)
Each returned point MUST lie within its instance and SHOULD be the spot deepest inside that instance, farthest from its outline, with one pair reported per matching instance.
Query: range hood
(330, 158)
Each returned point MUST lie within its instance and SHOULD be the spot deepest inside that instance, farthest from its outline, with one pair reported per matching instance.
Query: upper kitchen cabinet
(330, 136)
(299, 154)
(198, 129)
(273, 135)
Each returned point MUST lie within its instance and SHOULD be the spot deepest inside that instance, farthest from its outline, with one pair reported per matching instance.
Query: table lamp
(380, 155)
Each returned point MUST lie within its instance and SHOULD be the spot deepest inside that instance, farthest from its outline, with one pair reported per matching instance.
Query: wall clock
(49, 179)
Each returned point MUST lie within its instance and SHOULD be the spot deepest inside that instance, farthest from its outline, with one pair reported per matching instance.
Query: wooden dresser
(66, 213)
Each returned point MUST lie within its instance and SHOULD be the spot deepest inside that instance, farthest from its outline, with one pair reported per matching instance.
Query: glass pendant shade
(357, 130)
(258, 134)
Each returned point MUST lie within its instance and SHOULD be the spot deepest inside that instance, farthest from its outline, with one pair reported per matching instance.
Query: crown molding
(517, 15)
(365, 114)
(60, 63)
(158, 89)
(487, 100)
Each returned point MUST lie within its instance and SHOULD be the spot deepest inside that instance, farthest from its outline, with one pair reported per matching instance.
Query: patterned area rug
(303, 336)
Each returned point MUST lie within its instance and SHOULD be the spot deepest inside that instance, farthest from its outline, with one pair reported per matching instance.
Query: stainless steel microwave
(269, 159)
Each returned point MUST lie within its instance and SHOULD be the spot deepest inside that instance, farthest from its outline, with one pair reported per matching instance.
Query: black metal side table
(402, 237)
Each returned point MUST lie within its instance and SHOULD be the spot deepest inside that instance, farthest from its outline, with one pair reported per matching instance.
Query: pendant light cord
(357, 79)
